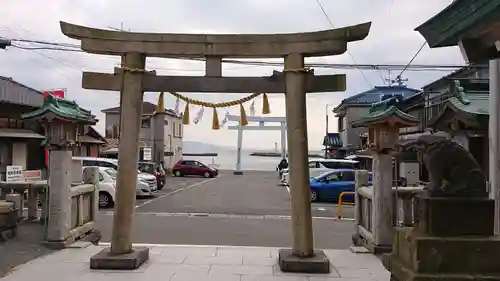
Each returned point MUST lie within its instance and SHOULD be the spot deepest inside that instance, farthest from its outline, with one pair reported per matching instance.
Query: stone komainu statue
(452, 170)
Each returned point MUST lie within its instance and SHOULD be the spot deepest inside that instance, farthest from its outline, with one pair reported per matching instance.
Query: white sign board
(14, 174)
(147, 154)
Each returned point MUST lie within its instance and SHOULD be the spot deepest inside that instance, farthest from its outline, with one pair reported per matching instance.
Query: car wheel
(314, 196)
(206, 174)
(178, 173)
(105, 200)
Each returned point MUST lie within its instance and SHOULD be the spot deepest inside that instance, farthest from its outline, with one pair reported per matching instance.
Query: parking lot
(249, 210)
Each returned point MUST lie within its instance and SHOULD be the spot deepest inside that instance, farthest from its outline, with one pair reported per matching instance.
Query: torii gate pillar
(298, 153)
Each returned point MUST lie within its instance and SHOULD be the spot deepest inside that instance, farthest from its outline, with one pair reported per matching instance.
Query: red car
(193, 168)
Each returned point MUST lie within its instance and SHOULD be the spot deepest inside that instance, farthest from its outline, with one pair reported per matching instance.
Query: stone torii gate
(261, 120)
(132, 80)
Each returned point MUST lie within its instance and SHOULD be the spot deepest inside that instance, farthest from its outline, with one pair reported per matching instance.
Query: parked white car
(107, 187)
(318, 166)
(113, 163)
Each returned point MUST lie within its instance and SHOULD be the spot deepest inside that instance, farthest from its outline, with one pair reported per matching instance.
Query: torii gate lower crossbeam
(260, 127)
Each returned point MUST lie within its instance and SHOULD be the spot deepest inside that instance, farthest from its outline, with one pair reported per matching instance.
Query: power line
(348, 52)
(44, 42)
(43, 55)
(54, 46)
(412, 59)
(45, 48)
(433, 67)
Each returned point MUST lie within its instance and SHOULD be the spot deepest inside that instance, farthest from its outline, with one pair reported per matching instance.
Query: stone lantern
(63, 121)
(384, 121)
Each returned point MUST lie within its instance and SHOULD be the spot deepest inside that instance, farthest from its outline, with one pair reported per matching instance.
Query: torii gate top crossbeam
(258, 118)
(319, 43)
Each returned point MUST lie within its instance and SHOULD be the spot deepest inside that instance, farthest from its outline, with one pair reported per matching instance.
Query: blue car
(328, 186)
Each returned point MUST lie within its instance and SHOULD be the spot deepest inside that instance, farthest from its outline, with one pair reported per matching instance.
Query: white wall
(173, 139)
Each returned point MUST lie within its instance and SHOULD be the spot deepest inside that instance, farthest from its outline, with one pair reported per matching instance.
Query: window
(112, 173)
(180, 130)
(199, 164)
(333, 177)
(4, 122)
(107, 164)
(5, 155)
(340, 120)
(145, 123)
(337, 165)
(347, 176)
(313, 164)
(89, 163)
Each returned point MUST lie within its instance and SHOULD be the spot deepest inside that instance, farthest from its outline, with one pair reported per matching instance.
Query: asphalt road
(248, 210)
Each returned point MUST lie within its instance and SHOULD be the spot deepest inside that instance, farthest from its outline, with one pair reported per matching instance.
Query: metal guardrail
(340, 203)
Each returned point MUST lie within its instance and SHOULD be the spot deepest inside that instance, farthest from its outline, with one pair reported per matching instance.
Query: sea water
(227, 161)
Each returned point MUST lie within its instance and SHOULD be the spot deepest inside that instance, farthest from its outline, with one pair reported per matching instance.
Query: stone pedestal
(451, 240)
(130, 261)
(382, 210)
(316, 263)
(59, 223)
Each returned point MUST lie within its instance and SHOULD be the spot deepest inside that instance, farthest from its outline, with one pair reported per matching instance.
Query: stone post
(361, 179)
(32, 202)
(158, 129)
(382, 212)
(302, 257)
(58, 225)
(494, 140)
(238, 170)
(91, 176)
(283, 139)
(122, 255)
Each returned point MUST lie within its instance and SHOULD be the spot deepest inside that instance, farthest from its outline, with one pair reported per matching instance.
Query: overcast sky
(391, 40)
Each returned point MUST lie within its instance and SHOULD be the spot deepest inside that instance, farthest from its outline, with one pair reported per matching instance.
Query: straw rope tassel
(243, 116)
(215, 120)
(185, 116)
(265, 104)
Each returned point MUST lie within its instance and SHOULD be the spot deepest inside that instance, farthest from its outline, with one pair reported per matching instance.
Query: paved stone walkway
(188, 263)
(22, 248)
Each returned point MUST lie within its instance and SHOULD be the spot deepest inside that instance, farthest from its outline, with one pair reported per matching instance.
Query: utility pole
(326, 129)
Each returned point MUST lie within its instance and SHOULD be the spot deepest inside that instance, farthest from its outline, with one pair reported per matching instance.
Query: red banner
(59, 93)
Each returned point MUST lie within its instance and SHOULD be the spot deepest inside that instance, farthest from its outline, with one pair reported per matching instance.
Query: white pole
(238, 170)
(283, 140)
(494, 139)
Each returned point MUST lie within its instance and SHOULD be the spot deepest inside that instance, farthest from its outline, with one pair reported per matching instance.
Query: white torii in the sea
(261, 127)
